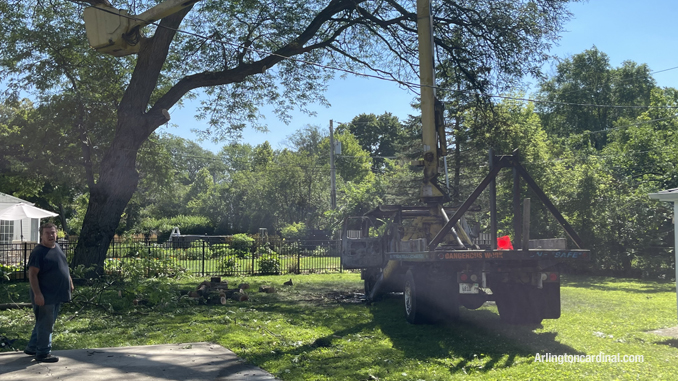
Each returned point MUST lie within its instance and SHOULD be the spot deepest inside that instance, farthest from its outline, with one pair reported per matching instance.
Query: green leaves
(579, 96)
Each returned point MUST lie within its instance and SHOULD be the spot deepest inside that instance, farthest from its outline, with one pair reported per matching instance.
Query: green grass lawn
(317, 330)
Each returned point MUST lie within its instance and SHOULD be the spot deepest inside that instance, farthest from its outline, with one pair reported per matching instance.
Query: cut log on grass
(267, 289)
(10, 306)
(239, 296)
(244, 286)
(204, 288)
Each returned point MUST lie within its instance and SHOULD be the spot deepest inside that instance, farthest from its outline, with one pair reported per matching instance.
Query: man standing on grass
(51, 285)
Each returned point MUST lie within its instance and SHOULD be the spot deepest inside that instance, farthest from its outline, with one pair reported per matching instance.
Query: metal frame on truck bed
(439, 268)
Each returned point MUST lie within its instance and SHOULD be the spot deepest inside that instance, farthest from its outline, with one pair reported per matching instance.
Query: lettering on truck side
(464, 255)
(560, 254)
(408, 256)
(472, 255)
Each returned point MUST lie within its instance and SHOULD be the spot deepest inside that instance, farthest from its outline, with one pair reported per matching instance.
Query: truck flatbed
(494, 255)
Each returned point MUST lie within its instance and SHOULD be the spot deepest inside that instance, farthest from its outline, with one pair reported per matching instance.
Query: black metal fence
(198, 257)
(13, 260)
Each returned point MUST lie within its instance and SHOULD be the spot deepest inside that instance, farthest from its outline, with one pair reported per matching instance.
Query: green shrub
(289, 248)
(220, 250)
(137, 268)
(156, 251)
(113, 266)
(228, 266)
(7, 270)
(294, 231)
(135, 250)
(269, 264)
(318, 251)
(162, 268)
(196, 250)
(242, 244)
(141, 280)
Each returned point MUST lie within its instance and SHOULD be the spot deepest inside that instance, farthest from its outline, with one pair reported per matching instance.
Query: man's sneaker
(30, 353)
(46, 358)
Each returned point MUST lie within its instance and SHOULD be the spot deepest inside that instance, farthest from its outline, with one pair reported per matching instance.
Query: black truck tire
(416, 306)
(428, 300)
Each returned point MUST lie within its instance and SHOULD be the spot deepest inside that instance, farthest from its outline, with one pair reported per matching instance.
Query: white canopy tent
(671, 195)
(23, 210)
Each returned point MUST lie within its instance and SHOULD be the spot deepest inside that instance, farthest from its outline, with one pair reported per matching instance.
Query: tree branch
(92, 2)
(151, 59)
(238, 74)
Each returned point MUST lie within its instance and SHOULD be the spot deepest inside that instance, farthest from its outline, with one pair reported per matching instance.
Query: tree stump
(267, 289)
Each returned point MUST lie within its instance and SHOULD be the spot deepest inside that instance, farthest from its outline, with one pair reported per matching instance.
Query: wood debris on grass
(216, 291)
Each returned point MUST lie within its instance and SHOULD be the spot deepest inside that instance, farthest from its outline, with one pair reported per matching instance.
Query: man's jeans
(41, 338)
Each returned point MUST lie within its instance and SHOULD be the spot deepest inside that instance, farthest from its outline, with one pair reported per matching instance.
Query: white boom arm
(115, 32)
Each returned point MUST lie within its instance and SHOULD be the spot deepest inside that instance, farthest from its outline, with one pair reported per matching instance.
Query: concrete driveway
(190, 361)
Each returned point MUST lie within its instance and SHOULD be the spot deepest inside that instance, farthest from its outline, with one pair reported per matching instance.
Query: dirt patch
(346, 297)
(668, 332)
(318, 298)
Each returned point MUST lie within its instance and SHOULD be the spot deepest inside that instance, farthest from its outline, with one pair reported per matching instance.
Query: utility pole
(333, 172)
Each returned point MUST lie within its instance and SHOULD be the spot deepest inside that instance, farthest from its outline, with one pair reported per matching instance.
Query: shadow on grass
(618, 284)
(477, 335)
(670, 343)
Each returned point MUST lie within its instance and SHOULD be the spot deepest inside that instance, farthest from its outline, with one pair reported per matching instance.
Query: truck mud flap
(550, 296)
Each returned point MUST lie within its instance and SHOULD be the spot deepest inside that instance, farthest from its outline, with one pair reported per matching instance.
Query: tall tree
(379, 135)
(584, 94)
(241, 61)
(353, 164)
(188, 158)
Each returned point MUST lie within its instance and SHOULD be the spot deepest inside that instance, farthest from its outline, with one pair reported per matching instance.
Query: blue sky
(644, 32)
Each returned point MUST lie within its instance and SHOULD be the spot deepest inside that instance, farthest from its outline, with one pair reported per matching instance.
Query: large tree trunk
(108, 198)
(118, 177)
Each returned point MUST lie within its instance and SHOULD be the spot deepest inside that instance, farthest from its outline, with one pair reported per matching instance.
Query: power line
(637, 76)
(661, 71)
(629, 125)
(602, 156)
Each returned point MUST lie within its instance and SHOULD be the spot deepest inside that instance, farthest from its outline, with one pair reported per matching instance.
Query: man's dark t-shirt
(53, 277)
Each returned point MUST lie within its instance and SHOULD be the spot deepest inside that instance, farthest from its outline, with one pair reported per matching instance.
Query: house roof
(7, 199)
(666, 195)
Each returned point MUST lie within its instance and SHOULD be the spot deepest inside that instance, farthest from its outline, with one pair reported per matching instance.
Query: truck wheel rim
(408, 299)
